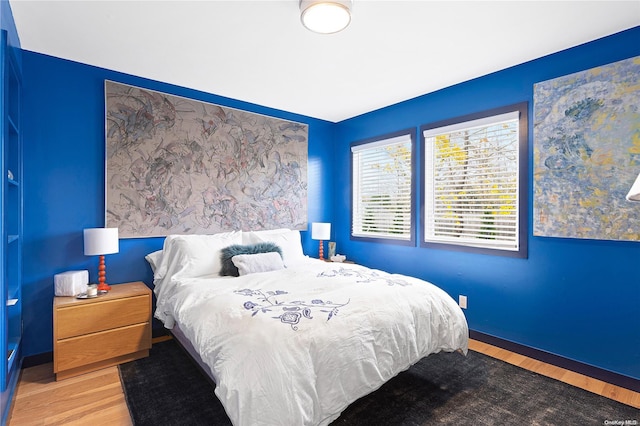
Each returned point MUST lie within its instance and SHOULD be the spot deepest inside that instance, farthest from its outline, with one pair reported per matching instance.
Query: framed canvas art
(181, 166)
(587, 153)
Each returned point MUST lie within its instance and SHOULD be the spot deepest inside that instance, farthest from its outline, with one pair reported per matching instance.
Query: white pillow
(287, 239)
(259, 262)
(154, 260)
(191, 256)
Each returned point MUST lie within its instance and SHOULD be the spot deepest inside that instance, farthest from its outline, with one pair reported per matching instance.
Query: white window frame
(469, 214)
(370, 154)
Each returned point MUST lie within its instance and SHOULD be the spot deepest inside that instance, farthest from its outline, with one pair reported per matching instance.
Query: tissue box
(71, 283)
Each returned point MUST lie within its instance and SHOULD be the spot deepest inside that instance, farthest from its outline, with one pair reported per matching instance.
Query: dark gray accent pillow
(229, 269)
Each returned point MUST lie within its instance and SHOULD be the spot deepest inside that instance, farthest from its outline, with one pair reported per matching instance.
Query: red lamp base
(321, 250)
(102, 276)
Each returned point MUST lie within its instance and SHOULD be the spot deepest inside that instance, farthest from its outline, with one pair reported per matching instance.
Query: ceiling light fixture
(325, 16)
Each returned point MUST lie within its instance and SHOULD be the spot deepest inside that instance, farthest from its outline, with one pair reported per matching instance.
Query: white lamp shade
(320, 231)
(634, 192)
(325, 16)
(99, 241)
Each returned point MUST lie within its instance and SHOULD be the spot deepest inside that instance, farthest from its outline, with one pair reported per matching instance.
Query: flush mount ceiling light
(325, 16)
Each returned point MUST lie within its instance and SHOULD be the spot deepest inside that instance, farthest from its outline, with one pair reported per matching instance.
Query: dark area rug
(167, 388)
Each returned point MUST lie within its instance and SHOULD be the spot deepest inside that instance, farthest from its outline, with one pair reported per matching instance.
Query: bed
(293, 340)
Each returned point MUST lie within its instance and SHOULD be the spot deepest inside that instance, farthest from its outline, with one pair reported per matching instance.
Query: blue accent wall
(573, 298)
(64, 184)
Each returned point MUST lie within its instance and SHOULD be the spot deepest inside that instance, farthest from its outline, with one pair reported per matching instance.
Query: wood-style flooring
(97, 398)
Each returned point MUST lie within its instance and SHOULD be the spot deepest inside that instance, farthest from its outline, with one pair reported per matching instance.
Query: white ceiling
(258, 51)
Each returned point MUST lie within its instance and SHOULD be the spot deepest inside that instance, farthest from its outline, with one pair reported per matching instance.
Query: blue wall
(64, 180)
(574, 298)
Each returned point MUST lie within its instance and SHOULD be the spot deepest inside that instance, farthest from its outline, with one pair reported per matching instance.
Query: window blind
(382, 181)
(471, 183)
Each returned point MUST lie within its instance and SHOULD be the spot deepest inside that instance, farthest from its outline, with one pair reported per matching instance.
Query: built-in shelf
(11, 222)
(12, 124)
(12, 352)
(13, 295)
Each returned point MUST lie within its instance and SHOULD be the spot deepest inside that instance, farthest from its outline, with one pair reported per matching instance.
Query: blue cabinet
(11, 223)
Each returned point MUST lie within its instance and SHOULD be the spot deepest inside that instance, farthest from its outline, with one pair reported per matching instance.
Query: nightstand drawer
(89, 334)
(77, 320)
(91, 348)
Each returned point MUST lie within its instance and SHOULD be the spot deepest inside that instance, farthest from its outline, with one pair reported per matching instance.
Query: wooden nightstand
(90, 334)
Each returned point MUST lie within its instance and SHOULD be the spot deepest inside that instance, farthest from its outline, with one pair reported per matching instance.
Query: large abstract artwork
(181, 166)
(587, 153)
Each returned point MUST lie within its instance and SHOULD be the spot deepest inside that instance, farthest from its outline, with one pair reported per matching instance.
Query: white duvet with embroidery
(298, 345)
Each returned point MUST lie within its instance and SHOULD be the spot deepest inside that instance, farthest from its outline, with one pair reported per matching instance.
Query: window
(382, 186)
(475, 182)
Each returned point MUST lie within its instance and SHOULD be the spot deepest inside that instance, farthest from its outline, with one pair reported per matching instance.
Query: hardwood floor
(97, 398)
(94, 398)
(596, 386)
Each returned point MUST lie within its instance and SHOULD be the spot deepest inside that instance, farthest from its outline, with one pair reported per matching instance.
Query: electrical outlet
(462, 301)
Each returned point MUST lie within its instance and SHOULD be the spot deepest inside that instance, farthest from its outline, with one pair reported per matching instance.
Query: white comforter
(297, 346)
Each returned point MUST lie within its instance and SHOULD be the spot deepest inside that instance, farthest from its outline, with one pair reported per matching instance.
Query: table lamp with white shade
(634, 192)
(98, 242)
(321, 231)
